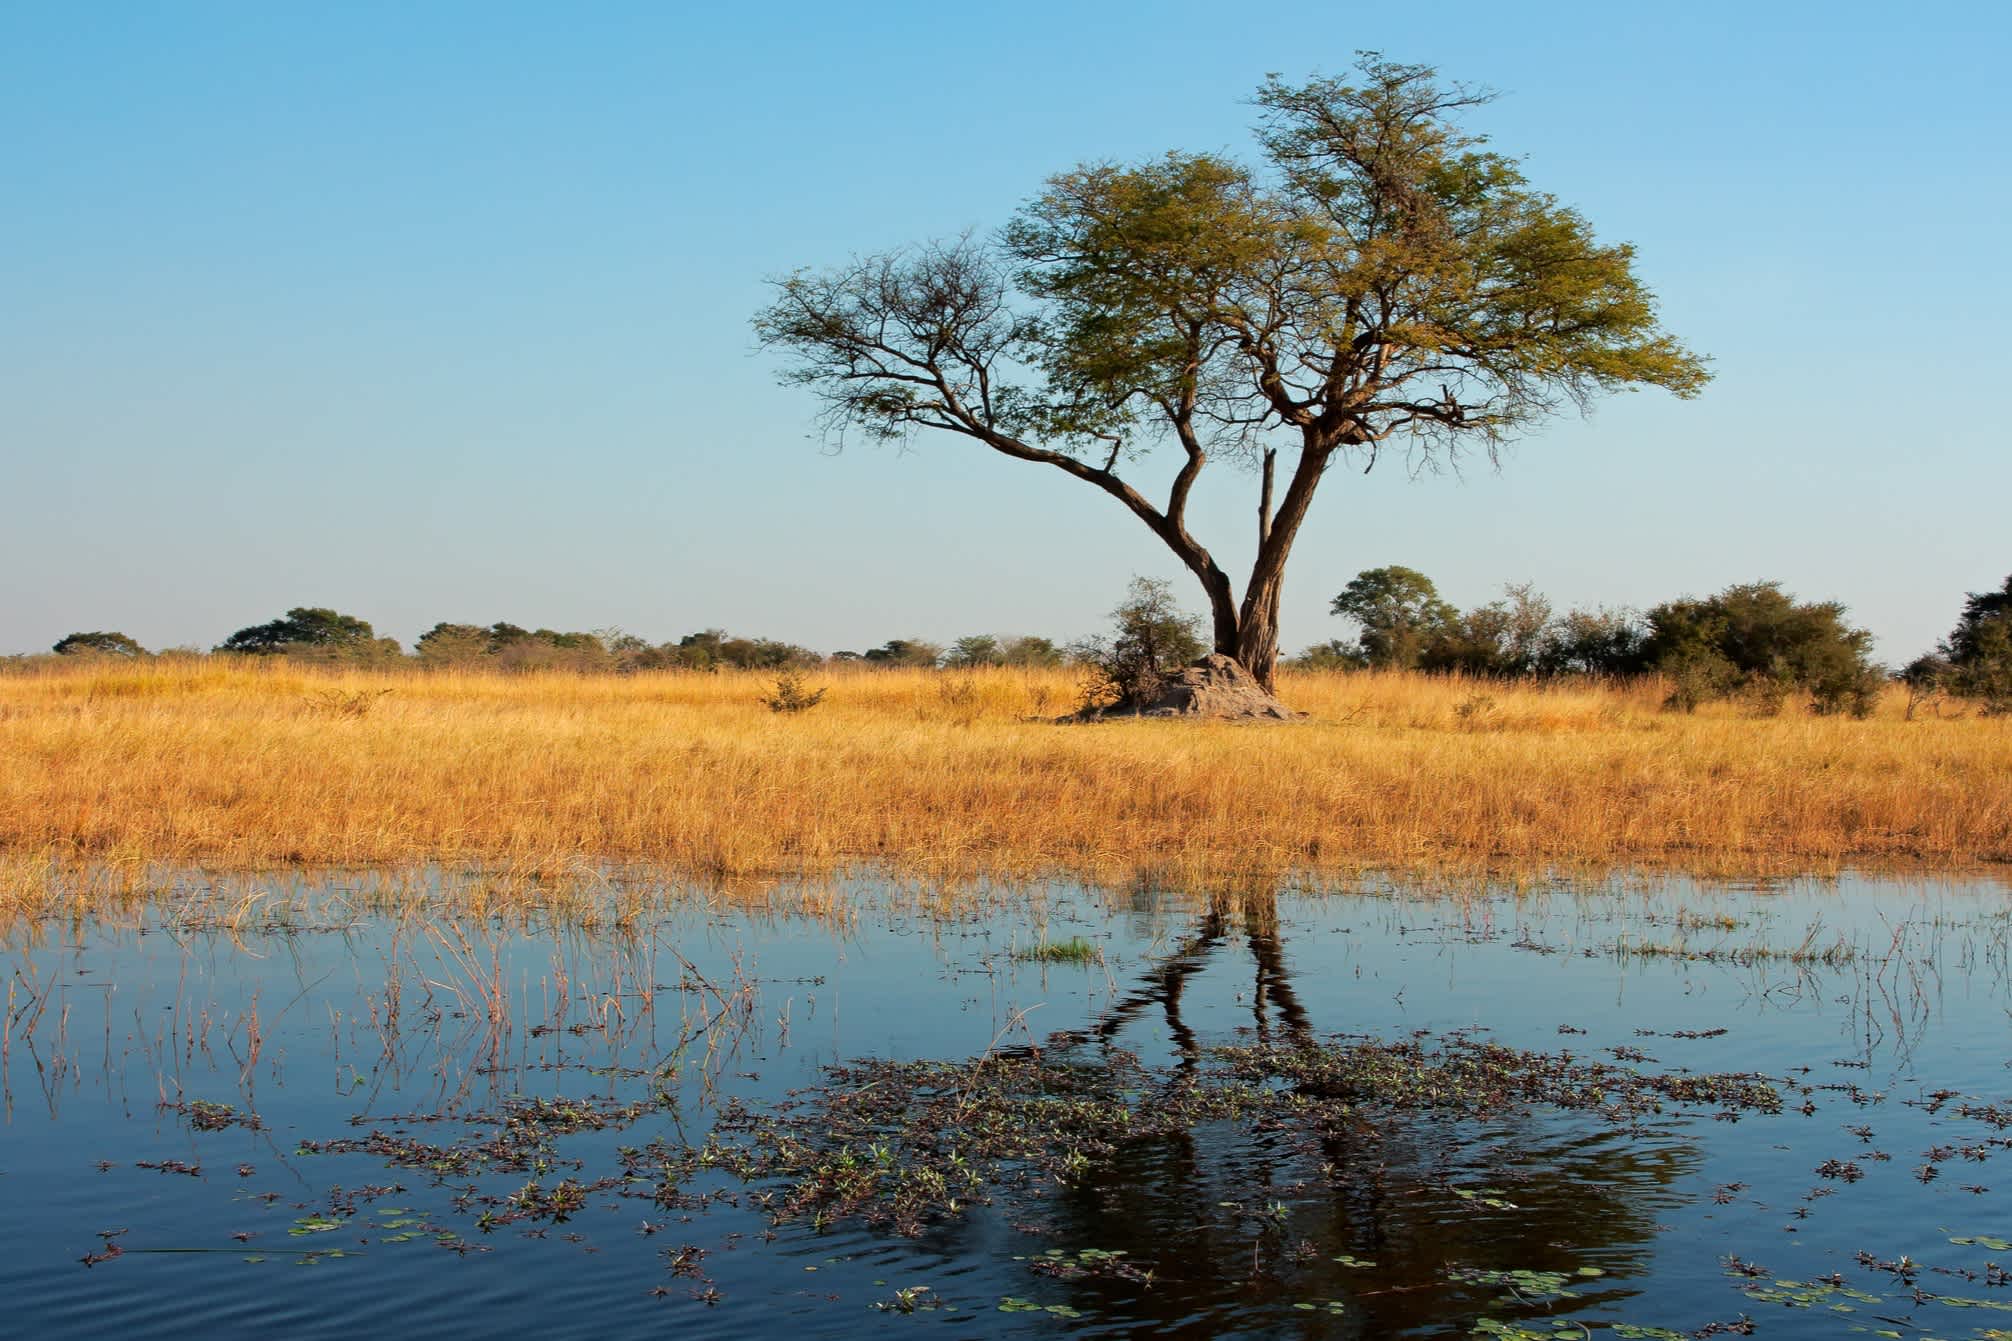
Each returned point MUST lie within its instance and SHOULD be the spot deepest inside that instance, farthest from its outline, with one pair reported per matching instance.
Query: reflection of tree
(1273, 983)
(1197, 1206)
(1161, 985)
(1578, 1199)
(1165, 981)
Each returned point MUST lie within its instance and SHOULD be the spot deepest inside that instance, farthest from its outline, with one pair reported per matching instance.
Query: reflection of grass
(218, 766)
(1075, 950)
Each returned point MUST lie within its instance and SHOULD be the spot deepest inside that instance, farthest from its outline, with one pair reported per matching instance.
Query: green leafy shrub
(1151, 638)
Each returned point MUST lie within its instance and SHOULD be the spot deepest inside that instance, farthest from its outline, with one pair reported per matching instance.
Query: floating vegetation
(1075, 950)
(1104, 1263)
(1478, 1077)
(1526, 1286)
(901, 1144)
(315, 1224)
(1333, 1307)
(522, 1136)
(911, 1299)
(1013, 1304)
(202, 1115)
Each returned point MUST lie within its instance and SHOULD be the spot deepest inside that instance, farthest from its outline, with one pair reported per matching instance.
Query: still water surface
(305, 1127)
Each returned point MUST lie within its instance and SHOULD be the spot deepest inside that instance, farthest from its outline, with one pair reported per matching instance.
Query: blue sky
(440, 311)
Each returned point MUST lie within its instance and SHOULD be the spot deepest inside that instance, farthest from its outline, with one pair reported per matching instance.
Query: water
(293, 1128)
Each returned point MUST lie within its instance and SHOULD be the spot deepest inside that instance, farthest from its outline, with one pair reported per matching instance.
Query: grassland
(225, 766)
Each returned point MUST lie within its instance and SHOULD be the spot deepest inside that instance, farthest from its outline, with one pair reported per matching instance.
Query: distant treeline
(1752, 640)
(324, 636)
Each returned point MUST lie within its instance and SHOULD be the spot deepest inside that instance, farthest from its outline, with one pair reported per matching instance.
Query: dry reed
(220, 766)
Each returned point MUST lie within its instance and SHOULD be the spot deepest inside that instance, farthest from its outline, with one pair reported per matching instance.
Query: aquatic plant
(1075, 950)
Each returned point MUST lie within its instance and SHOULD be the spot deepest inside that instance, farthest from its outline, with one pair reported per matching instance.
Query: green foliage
(506, 646)
(1333, 655)
(1978, 652)
(1755, 639)
(913, 652)
(314, 633)
(793, 694)
(452, 644)
(1527, 1286)
(98, 644)
(1075, 950)
(1985, 673)
(980, 649)
(302, 626)
(511, 648)
(708, 649)
(716, 649)
(1593, 642)
(985, 649)
(1982, 610)
(1405, 625)
(1151, 638)
(1398, 611)
(1697, 675)
(1502, 638)
(1031, 652)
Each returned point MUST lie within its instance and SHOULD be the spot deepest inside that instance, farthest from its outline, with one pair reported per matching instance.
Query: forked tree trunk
(1250, 638)
(1249, 633)
(1257, 636)
(1257, 627)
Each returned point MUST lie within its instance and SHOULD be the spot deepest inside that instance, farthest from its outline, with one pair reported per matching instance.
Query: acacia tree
(98, 644)
(1382, 279)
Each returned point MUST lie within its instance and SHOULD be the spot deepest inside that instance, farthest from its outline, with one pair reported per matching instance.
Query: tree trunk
(1257, 636)
(1264, 495)
(1223, 616)
(1256, 640)
(1257, 623)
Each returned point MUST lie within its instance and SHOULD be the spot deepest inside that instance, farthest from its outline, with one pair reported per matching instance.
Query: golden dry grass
(227, 766)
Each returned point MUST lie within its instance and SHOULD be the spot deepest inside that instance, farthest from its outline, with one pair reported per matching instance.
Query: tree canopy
(98, 644)
(1381, 280)
(1399, 611)
(987, 649)
(1985, 614)
(905, 652)
(1979, 649)
(1755, 638)
(1404, 625)
(301, 627)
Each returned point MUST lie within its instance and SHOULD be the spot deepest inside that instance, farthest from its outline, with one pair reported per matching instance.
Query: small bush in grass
(792, 693)
(1151, 640)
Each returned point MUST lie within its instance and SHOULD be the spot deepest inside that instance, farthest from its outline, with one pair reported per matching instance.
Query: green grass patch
(1075, 950)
